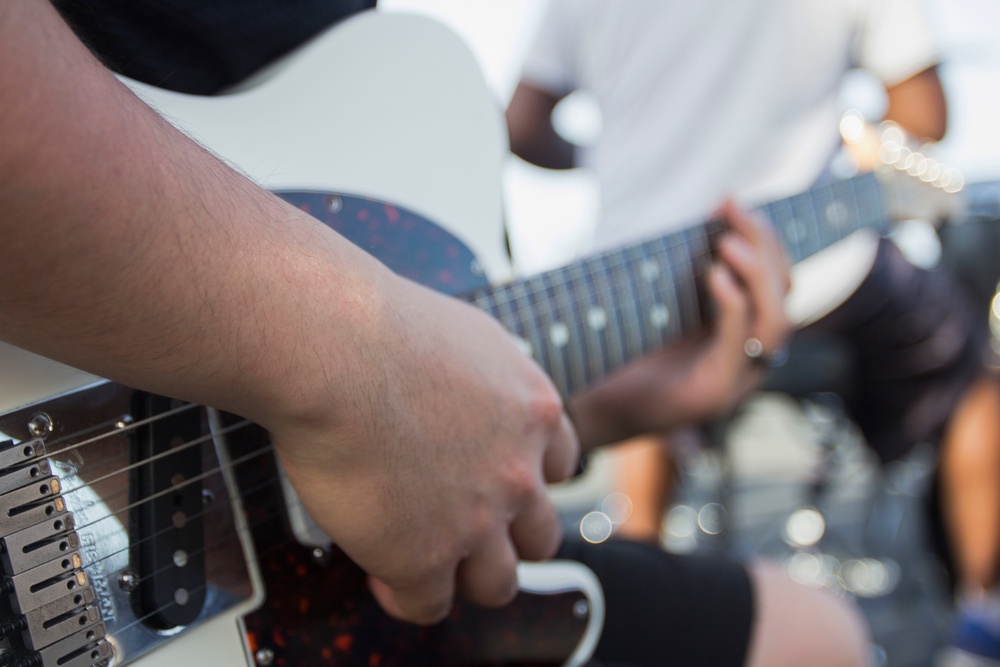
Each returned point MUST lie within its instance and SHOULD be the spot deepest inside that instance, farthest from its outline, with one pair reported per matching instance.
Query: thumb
(424, 603)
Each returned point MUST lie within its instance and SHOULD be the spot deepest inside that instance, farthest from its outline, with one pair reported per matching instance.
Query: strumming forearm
(132, 253)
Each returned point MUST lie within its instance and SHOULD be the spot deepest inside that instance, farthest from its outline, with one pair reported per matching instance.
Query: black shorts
(918, 344)
(668, 609)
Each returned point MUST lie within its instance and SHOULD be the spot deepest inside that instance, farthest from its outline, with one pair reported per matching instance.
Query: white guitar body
(391, 106)
(401, 113)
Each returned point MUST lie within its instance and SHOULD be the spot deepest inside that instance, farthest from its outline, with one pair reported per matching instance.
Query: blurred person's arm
(919, 106)
(707, 375)
(417, 435)
(533, 137)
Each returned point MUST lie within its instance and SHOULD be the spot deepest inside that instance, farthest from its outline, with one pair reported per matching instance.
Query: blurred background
(499, 34)
(793, 481)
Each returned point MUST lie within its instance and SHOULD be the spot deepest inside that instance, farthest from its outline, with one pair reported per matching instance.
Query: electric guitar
(140, 529)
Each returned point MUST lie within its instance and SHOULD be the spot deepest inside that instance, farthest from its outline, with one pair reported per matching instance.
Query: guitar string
(212, 472)
(221, 537)
(173, 489)
(616, 286)
(125, 428)
(835, 192)
(217, 470)
(621, 262)
(260, 555)
(176, 449)
(238, 529)
(503, 296)
(614, 260)
(620, 259)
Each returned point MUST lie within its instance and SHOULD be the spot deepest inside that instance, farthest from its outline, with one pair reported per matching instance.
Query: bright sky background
(550, 214)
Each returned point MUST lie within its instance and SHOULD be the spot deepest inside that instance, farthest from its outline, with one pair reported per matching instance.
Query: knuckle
(432, 612)
(546, 410)
(521, 480)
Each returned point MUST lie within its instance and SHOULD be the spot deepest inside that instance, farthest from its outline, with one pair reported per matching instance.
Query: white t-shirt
(704, 99)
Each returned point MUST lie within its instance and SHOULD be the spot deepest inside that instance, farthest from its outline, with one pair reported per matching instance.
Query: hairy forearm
(132, 253)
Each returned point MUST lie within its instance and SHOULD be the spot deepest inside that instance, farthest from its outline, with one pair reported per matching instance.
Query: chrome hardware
(127, 581)
(40, 425)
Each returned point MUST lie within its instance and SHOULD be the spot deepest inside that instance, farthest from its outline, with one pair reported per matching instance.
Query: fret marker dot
(650, 270)
(559, 334)
(597, 318)
(797, 230)
(837, 214)
(523, 345)
(659, 315)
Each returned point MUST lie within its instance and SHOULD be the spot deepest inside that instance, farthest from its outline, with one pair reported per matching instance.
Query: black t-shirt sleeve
(199, 46)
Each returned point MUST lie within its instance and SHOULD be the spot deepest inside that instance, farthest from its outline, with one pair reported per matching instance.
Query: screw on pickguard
(48, 612)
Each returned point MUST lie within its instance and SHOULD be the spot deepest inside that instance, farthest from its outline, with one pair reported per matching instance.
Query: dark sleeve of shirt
(199, 46)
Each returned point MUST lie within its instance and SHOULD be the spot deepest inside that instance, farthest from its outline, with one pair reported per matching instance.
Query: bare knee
(798, 625)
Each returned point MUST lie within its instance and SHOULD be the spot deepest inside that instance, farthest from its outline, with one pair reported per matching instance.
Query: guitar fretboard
(586, 320)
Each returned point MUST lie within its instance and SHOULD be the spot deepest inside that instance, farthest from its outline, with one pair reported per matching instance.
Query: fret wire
(809, 210)
(700, 253)
(591, 339)
(854, 193)
(567, 303)
(874, 203)
(681, 266)
(642, 306)
(802, 226)
(504, 310)
(487, 302)
(565, 296)
(630, 314)
(834, 228)
(608, 337)
(702, 257)
(810, 201)
(683, 282)
(547, 308)
(646, 297)
(616, 356)
(509, 317)
(822, 202)
(844, 195)
(662, 290)
(532, 325)
(570, 294)
(789, 229)
(668, 292)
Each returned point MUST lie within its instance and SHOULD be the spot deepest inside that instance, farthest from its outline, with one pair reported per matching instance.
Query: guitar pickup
(39, 544)
(169, 546)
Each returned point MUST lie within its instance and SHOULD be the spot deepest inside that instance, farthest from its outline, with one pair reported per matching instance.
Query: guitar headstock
(916, 184)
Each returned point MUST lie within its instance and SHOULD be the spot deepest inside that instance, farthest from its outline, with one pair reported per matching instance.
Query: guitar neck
(586, 320)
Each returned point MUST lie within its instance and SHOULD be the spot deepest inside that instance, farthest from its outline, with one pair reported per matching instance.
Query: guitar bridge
(117, 528)
(53, 617)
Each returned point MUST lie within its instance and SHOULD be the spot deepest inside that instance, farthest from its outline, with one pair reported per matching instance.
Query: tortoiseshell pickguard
(406, 242)
(318, 610)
